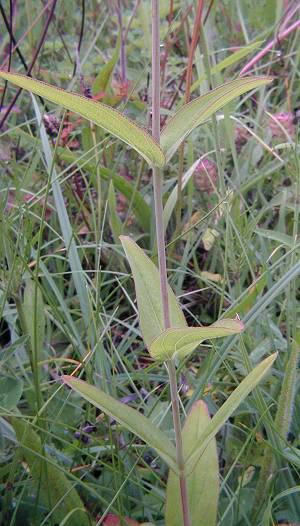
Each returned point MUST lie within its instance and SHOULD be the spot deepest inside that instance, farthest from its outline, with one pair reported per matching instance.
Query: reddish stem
(270, 46)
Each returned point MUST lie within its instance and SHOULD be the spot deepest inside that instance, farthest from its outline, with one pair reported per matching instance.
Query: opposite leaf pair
(198, 434)
(185, 120)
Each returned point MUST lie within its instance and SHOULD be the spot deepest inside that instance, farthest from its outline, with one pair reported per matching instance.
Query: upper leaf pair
(180, 340)
(185, 120)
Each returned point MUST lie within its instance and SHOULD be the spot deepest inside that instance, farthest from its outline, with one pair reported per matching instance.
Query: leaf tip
(201, 405)
(66, 378)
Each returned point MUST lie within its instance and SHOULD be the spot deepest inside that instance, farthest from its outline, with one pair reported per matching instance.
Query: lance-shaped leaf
(148, 295)
(128, 417)
(107, 118)
(56, 490)
(202, 482)
(33, 307)
(227, 409)
(179, 342)
(202, 108)
(101, 82)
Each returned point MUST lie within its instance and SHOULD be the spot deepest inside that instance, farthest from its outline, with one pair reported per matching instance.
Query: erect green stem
(157, 178)
(157, 183)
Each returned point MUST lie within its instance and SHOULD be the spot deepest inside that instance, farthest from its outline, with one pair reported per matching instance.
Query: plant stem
(187, 96)
(157, 178)
(178, 441)
(160, 239)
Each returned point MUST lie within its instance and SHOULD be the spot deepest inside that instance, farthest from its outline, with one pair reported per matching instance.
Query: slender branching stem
(157, 182)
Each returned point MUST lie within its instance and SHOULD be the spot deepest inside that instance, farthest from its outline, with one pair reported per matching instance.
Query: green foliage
(10, 392)
(58, 493)
(228, 408)
(147, 287)
(199, 110)
(102, 80)
(179, 343)
(104, 116)
(69, 187)
(203, 481)
(128, 417)
(33, 308)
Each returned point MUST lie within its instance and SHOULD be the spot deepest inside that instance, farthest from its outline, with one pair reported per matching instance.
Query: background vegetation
(68, 190)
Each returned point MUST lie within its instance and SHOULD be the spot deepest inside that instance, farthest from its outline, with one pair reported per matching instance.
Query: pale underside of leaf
(202, 482)
(148, 295)
(128, 417)
(104, 116)
(179, 342)
(228, 408)
(202, 108)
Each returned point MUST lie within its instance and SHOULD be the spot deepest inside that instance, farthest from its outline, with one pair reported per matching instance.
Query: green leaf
(57, 492)
(232, 59)
(203, 482)
(101, 81)
(178, 343)
(148, 295)
(33, 308)
(11, 390)
(234, 400)
(196, 112)
(107, 118)
(128, 417)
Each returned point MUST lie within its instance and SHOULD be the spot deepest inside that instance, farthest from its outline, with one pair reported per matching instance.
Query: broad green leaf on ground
(147, 288)
(107, 118)
(227, 409)
(11, 390)
(57, 492)
(232, 59)
(128, 417)
(179, 342)
(196, 112)
(101, 82)
(203, 482)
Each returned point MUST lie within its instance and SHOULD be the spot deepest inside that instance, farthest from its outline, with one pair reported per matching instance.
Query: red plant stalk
(157, 182)
(189, 73)
(269, 47)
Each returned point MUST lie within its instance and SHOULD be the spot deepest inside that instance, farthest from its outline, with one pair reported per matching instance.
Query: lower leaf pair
(200, 453)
